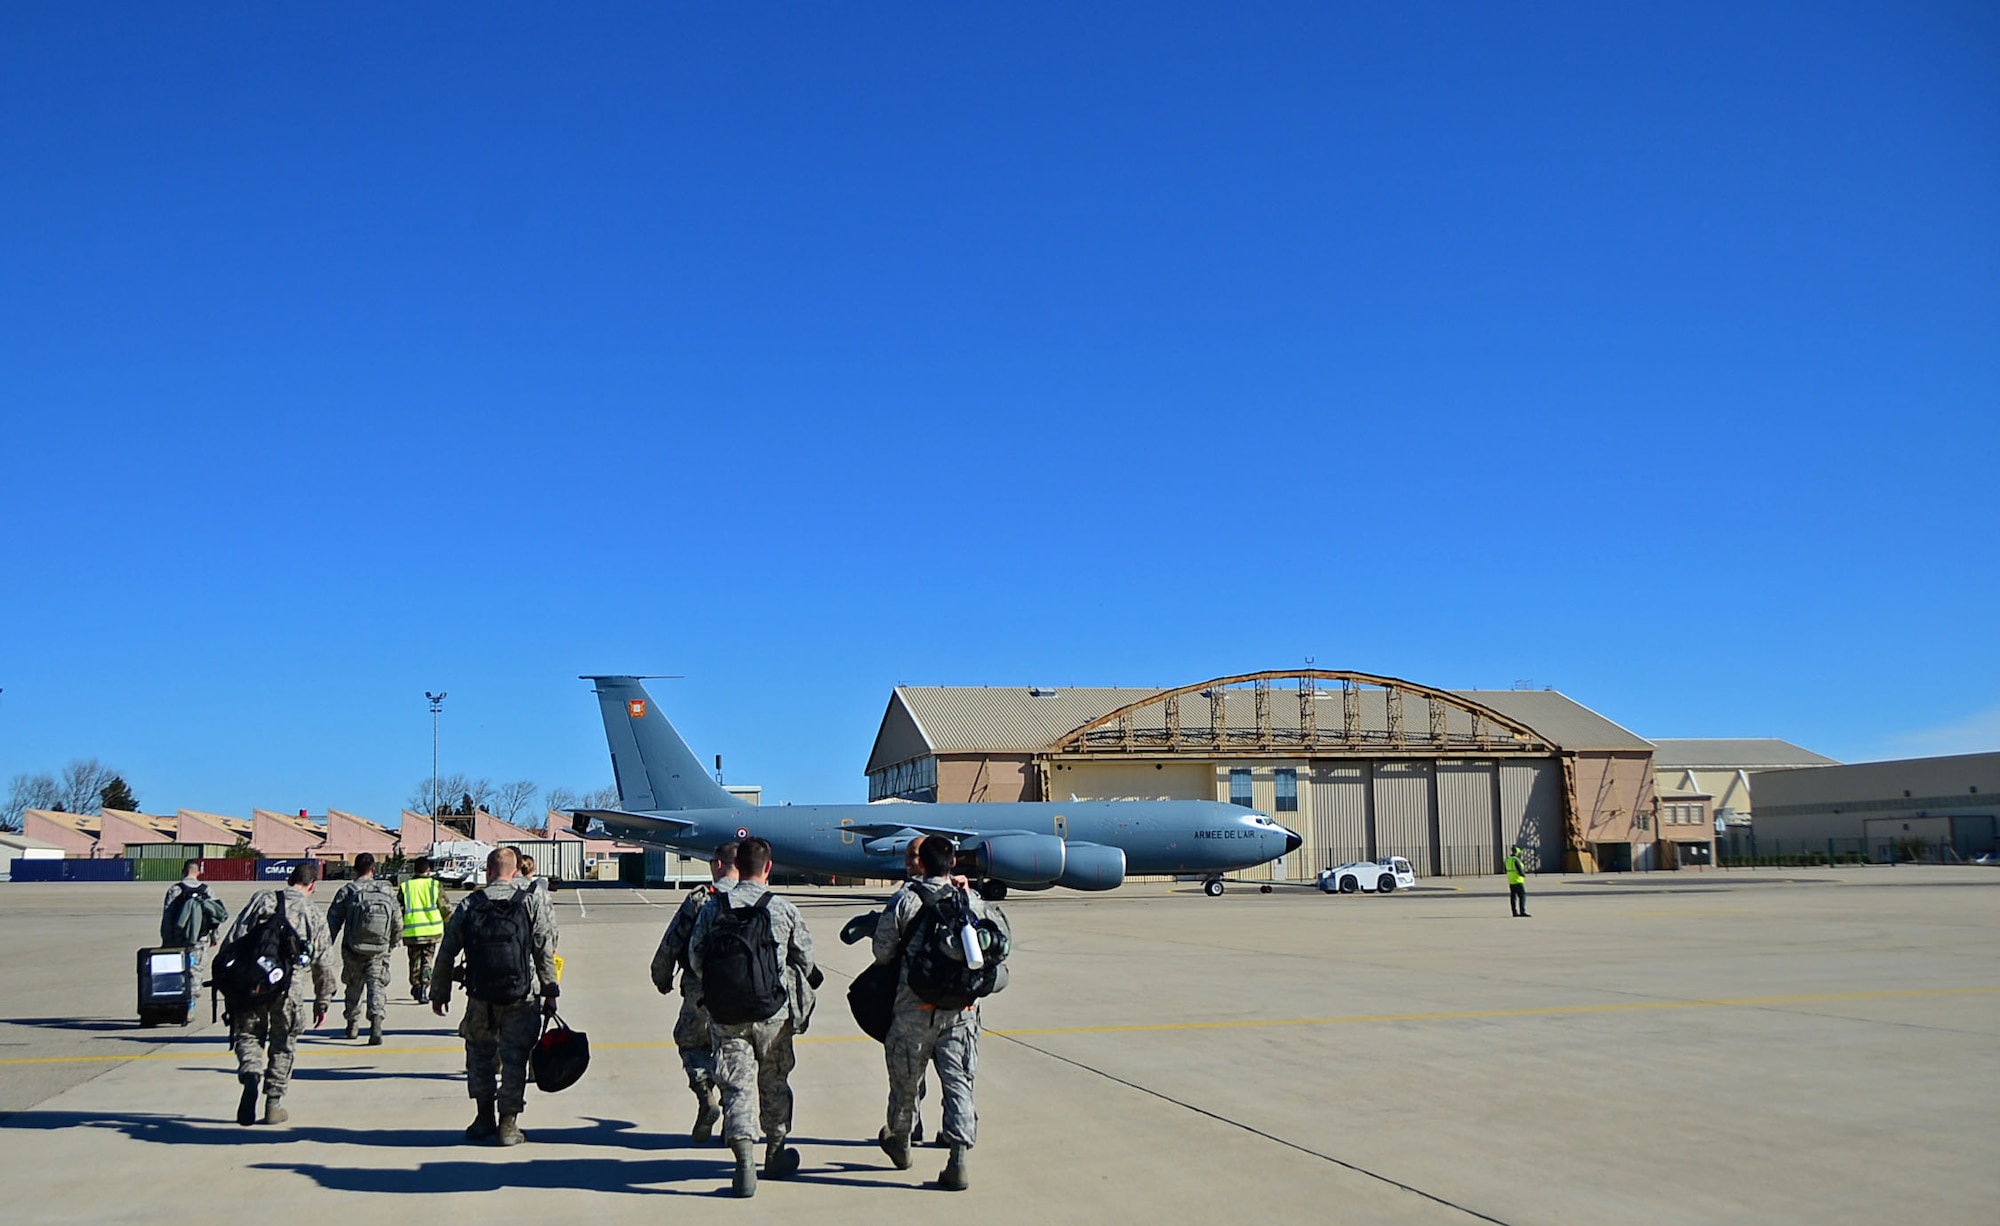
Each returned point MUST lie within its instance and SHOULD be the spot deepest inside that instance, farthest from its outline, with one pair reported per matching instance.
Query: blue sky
(805, 349)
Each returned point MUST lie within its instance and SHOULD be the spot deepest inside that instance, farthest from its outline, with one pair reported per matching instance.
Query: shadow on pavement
(301, 1073)
(579, 1174)
(73, 1023)
(129, 1031)
(223, 1130)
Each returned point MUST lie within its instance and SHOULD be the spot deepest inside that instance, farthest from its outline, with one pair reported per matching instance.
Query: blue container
(73, 870)
(97, 870)
(277, 870)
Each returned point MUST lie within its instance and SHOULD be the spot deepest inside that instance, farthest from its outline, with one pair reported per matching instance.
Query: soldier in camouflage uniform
(691, 1033)
(754, 1060)
(499, 1036)
(364, 955)
(278, 1025)
(923, 1034)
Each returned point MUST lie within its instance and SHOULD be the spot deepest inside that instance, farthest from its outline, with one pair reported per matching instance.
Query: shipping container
(227, 869)
(157, 868)
(73, 870)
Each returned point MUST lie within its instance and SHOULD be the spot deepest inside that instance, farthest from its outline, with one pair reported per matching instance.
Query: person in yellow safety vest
(423, 925)
(1517, 885)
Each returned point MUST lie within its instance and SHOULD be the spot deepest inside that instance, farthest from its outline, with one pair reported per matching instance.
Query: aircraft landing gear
(993, 891)
(1212, 887)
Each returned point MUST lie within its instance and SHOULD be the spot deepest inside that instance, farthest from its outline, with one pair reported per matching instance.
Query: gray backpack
(374, 914)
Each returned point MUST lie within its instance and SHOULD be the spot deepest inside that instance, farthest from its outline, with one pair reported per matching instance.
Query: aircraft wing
(620, 824)
(885, 829)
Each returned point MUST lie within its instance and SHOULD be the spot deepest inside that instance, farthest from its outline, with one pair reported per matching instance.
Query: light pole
(437, 705)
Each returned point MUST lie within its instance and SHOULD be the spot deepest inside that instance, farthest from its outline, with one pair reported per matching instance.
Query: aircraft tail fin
(653, 766)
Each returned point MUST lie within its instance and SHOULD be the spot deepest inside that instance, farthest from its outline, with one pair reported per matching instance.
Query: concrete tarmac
(1775, 1046)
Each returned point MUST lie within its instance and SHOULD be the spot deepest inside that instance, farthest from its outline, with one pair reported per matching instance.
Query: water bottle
(968, 939)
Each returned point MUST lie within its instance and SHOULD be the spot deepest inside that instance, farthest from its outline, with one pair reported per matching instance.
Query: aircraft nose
(1293, 842)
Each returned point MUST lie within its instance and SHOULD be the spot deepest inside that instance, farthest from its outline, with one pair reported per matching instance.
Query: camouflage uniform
(279, 1024)
(753, 1060)
(499, 1037)
(922, 1034)
(364, 972)
(691, 1035)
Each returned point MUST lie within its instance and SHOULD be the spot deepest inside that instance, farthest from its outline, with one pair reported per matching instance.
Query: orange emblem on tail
(637, 707)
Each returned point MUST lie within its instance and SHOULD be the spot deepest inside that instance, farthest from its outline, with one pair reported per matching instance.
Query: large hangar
(1361, 766)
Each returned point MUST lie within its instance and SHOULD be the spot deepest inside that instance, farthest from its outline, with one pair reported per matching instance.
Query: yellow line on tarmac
(1740, 1002)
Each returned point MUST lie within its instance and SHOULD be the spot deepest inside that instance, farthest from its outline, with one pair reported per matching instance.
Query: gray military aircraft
(666, 798)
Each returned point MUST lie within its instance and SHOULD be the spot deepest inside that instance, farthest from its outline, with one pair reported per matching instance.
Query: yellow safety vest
(1514, 874)
(423, 909)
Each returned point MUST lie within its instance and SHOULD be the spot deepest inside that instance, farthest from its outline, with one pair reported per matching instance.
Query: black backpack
(192, 915)
(740, 977)
(256, 968)
(934, 960)
(499, 949)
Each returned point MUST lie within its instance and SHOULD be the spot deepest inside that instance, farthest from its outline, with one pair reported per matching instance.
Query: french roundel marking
(742, 832)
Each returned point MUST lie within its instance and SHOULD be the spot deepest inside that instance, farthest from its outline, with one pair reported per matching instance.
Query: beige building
(1914, 809)
(1720, 769)
(1360, 766)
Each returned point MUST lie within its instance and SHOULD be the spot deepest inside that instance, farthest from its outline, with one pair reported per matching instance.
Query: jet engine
(1092, 866)
(1021, 859)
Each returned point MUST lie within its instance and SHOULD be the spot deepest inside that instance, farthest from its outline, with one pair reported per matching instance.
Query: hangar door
(1468, 796)
(1403, 812)
(1339, 816)
(1531, 812)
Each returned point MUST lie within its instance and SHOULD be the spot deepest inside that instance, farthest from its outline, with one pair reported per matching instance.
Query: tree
(242, 851)
(118, 795)
(602, 798)
(559, 798)
(82, 785)
(454, 792)
(28, 792)
(510, 798)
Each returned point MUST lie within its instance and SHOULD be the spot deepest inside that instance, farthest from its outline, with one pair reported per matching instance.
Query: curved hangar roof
(1383, 715)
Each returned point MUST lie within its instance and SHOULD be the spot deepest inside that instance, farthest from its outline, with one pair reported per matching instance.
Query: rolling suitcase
(166, 987)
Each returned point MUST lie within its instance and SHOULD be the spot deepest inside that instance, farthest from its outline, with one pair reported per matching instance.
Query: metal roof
(1017, 719)
(1733, 753)
(1560, 718)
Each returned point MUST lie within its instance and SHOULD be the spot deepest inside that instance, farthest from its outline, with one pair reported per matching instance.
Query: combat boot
(745, 1185)
(780, 1162)
(374, 1034)
(954, 1177)
(509, 1132)
(274, 1112)
(246, 1107)
(483, 1126)
(353, 1027)
(897, 1149)
(706, 1117)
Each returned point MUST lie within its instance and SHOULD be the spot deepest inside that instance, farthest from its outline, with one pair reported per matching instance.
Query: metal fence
(1746, 850)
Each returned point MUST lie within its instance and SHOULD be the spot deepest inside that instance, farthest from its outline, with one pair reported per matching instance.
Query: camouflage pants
(753, 1067)
(498, 1041)
(421, 953)
(696, 1044)
(277, 1026)
(920, 1036)
(367, 973)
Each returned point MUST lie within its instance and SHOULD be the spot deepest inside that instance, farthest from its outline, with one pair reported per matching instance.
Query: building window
(1288, 791)
(1239, 788)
